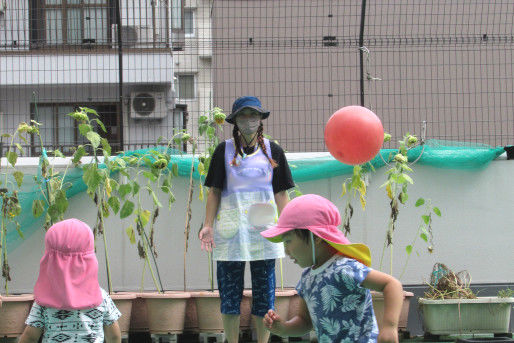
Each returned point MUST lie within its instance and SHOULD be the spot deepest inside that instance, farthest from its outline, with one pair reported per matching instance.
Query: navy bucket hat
(246, 102)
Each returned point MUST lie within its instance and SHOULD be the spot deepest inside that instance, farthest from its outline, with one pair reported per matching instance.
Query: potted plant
(450, 307)
(15, 308)
(396, 187)
(165, 309)
(207, 303)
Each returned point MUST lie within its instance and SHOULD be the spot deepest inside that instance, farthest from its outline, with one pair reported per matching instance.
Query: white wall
(474, 233)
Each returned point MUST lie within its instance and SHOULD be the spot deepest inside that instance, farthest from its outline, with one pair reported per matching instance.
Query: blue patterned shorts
(231, 284)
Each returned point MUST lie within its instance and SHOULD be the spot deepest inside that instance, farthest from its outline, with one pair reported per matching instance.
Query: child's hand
(388, 335)
(273, 322)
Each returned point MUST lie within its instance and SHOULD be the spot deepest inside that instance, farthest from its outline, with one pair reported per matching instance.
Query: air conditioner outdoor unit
(148, 105)
(133, 36)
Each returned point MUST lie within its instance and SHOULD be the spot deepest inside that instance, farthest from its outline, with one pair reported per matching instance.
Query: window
(70, 22)
(59, 131)
(186, 86)
(189, 28)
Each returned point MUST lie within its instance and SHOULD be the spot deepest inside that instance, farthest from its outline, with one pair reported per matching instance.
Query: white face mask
(248, 125)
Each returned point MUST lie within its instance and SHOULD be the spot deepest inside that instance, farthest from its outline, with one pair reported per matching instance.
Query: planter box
(166, 311)
(123, 301)
(378, 308)
(13, 312)
(208, 311)
(460, 316)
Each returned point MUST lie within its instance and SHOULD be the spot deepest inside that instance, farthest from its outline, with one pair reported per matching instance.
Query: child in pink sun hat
(335, 286)
(69, 305)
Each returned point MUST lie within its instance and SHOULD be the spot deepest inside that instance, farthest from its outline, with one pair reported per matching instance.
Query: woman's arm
(281, 199)
(393, 301)
(31, 334)
(297, 326)
(206, 234)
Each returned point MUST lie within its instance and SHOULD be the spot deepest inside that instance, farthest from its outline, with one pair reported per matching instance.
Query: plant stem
(3, 245)
(211, 271)
(188, 214)
(281, 275)
(151, 270)
(109, 282)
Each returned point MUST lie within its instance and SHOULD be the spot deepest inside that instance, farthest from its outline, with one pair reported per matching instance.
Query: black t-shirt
(282, 178)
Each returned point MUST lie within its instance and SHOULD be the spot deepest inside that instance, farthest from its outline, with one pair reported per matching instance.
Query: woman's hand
(206, 235)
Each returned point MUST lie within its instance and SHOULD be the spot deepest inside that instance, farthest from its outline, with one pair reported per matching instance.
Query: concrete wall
(474, 233)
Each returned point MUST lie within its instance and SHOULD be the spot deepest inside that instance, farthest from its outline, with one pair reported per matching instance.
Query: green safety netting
(304, 167)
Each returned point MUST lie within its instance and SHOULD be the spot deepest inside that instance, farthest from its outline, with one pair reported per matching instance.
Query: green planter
(465, 316)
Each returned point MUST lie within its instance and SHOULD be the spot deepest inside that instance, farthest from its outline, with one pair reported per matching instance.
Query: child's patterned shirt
(340, 309)
(77, 326)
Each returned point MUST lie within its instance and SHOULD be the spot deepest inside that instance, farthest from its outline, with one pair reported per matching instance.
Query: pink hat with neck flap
(321, 217)
(68, 272)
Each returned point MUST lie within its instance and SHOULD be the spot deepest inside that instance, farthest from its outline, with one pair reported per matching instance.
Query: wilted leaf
(343, 192)
(363, 202)
(38, 208)
(144, 216)
(389, 191)
(18, 176)
(131, 235)
(174, 169)
(12, 157)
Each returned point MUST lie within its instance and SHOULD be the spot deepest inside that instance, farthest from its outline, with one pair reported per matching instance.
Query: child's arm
(31, 334)
(112, 333)
(297, 326)
(393, 301)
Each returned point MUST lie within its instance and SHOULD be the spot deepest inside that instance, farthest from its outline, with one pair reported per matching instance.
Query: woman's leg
(263, 294)
(230, 276)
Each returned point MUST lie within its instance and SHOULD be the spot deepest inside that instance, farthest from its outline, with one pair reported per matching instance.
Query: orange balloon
(354, 135)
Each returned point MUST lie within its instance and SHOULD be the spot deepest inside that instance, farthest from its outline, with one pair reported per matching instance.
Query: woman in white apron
(246, 169)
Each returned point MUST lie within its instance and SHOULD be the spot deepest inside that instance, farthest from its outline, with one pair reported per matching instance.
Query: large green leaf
(124, 189)
(84, 129)
(106, 146)
(127, 209)
(79, 153)
(135, 188)
(420, 202)
(114, 202)
(91, 177)
(94, 138)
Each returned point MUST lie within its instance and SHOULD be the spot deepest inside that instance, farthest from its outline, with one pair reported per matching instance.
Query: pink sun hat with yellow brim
(321, 217)
(68, 272)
